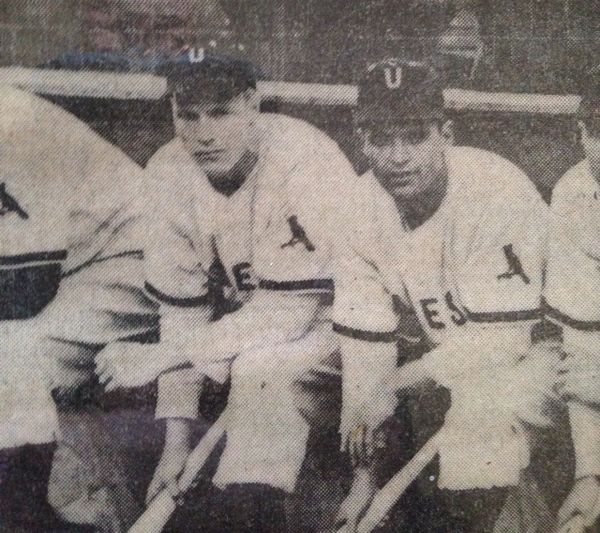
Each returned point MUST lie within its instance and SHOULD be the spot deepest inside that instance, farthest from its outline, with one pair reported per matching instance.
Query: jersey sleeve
(176, 251)
(176, 264)
(573, 274)
(364, 313)
(500, 257)
(368, 286)
(105, 214)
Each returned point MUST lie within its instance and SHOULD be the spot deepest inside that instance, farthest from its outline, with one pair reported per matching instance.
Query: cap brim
(378, 113)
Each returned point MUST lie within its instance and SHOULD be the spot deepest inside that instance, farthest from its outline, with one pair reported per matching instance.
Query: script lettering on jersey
(430, 307)
(298, 235)
(515, 268)
(8, 204)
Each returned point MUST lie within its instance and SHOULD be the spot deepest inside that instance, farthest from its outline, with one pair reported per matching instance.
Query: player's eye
(218, 112)
(381, 138)
(415, 134)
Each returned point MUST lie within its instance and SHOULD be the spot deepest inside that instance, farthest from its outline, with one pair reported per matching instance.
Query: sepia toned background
(542, 46)
(530, 45)
(491, 45)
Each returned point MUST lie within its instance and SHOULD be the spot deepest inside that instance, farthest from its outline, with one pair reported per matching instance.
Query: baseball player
(71, 280)
(572, 298)
(244, 206)
(464, 275)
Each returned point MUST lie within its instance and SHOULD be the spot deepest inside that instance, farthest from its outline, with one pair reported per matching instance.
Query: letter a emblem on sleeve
(393, 77)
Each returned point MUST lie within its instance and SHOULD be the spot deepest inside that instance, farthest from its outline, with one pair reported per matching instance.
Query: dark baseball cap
(196, 77)
(589, 107)
(395, 90)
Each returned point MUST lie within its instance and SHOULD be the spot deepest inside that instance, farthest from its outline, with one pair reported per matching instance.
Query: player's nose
(400, 153)
(206, 132)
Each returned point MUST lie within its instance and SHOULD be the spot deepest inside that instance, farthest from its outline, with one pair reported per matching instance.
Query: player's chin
(216, 166)
(405, 190)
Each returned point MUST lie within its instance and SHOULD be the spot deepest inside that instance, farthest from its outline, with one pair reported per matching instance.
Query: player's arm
(501, 277)
(367, 327)
(572, 288)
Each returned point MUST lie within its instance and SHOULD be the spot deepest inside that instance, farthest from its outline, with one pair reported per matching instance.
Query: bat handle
(158, 513)
(391, 492)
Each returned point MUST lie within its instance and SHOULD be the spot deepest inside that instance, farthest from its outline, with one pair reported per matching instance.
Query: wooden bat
(158, 513)
(579, 524)
(389, 494)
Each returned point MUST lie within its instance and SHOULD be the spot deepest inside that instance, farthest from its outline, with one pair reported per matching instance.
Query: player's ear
(252, 98)
(582, 132)
(363, 136)
(447, 131)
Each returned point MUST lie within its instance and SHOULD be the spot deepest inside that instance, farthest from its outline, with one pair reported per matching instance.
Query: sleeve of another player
(175, 278)
(364, 315)
(572, 296)
(500, 256)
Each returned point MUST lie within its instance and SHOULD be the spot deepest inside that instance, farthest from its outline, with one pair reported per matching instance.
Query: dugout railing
(535, 131)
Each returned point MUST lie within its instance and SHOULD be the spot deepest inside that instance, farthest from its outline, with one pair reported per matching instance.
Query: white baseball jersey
(274, 233)
(477, 260)
(271, 241)
(68, 216)
(468, 280)
(572, 290)
(573, 279)
(70, 260)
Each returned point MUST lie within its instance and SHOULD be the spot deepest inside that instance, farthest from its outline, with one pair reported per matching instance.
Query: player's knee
(74, 363)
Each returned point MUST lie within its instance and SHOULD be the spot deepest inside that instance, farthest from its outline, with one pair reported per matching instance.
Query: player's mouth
(208, 156)
(400, 178)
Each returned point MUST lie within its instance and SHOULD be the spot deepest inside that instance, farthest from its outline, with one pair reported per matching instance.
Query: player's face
(590, 139)
(407, 158)
(217, 135)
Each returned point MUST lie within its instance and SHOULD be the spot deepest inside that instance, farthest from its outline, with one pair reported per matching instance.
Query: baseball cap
(196, 77)
(393, 90)
(589, 107)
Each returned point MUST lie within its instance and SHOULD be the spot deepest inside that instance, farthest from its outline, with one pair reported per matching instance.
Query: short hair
(199, 78)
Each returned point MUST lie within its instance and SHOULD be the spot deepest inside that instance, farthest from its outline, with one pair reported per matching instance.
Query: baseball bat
(579, 524)
(391, 492)
(158, 513)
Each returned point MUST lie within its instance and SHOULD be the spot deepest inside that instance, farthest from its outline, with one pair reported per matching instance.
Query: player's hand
(167, 472)
(357, 502)
(579, 377)
(130, 364)
(359, 445)
(363, 434)
(583, 501)
(531, 386)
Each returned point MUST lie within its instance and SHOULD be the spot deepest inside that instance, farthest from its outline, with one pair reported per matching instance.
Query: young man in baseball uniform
(463, 276)
(572, 286)
(71, 281)
(246, 210)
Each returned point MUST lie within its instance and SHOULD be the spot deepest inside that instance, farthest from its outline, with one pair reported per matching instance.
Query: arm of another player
(269, 319)
(176, 255)
(572, 288)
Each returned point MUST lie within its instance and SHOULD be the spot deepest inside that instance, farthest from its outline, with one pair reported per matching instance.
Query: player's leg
(89, 482)
(267, 433)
